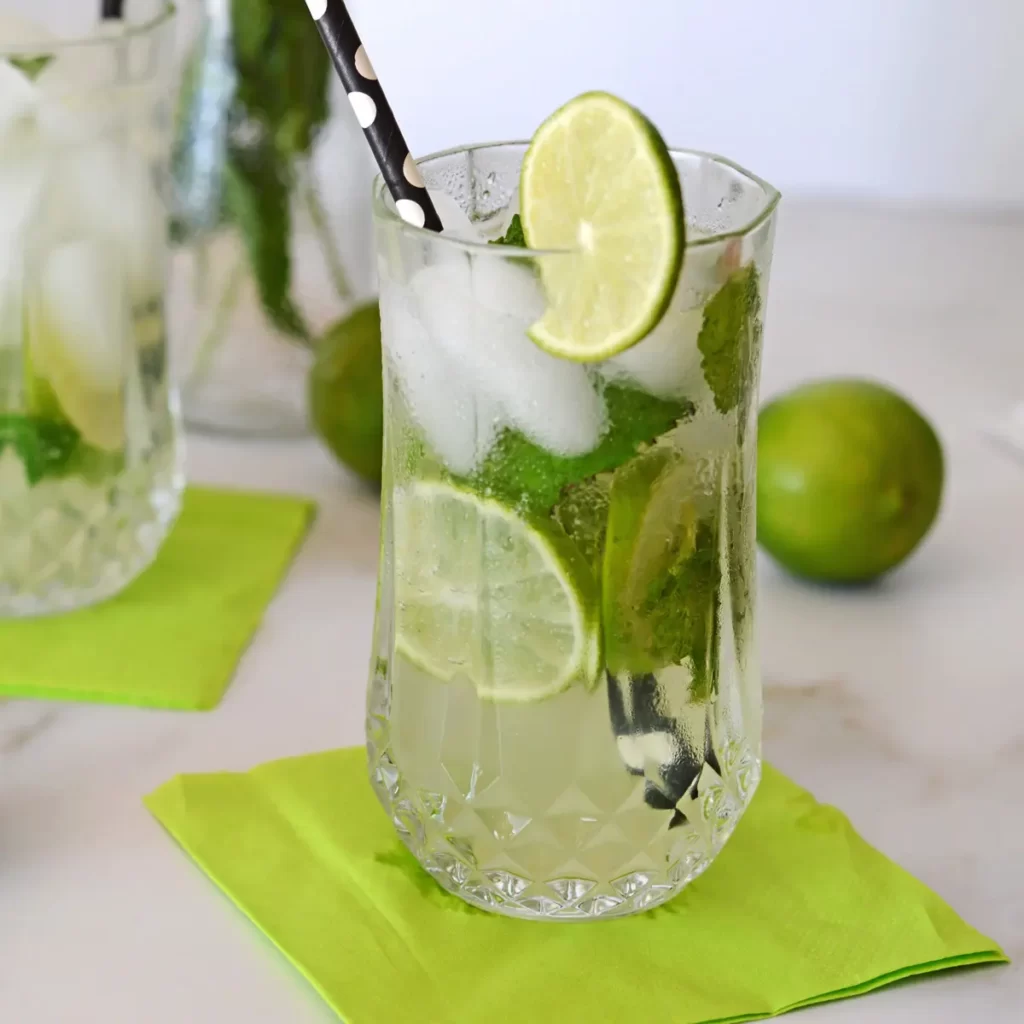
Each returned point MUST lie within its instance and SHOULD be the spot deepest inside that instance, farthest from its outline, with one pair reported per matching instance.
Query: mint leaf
(279, 102)
(32, 67)
(513, 235)
(730, 338)
(522, 473)
(582, 512)
(257, 200)
(44, 446)
(681, 609)
(283, 73)
(661, 570)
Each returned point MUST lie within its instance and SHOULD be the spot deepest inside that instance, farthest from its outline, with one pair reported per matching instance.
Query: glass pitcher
(271, 235)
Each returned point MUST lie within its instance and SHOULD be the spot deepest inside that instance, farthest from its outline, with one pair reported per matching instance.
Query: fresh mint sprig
(257, 200)
(521, 472)
(730, 338)
(44, 446)
(32, 67)
(279, 104)
(513, 234)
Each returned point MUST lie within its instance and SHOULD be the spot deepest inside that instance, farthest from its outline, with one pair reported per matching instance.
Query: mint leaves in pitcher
(254, 98)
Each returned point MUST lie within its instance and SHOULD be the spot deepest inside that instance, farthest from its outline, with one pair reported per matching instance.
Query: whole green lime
(346, 393)
(849, 480)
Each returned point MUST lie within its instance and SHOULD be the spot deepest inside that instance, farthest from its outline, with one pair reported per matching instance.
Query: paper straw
(373, 112)
(112, 10)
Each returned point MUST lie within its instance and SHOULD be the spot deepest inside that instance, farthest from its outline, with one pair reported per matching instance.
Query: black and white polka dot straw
(374, 113)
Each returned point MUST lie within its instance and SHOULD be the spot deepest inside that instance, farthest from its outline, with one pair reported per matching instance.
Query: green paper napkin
(173, 637)
(798, 909)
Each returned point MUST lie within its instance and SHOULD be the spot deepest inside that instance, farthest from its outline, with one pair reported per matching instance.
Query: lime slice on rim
(598, 180)
(482, 591)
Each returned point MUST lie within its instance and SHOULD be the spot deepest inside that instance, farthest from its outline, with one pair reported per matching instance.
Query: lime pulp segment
(598, 181)
(481, 591)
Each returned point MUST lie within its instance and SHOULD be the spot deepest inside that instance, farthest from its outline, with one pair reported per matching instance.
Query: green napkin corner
(173, 637)
(797, 909)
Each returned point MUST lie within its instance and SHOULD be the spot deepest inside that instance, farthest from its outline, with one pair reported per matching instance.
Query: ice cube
(24, 171)
(104, 191)
(101, 189)
(18, 101)
(506, 287)
(458, 424)
(511, 209)
(443, 295)
(706, 267)
(80, 336)
(551, 400)
(454, 218)
(496, 225)
(666, 362)
(85, 95)
(54, 101)
(23, 178)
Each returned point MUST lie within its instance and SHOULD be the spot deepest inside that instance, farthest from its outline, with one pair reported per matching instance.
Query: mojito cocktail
(564, 713)
(90, 472)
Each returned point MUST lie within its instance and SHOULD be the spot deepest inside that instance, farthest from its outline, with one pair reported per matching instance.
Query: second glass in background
(90, 463)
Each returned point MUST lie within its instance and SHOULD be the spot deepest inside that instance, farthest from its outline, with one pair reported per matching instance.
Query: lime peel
(598, 182)
(481, 591)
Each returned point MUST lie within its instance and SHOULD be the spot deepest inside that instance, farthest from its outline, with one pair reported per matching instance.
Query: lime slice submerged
(661, 569)
(481, 591)
(598, 180)
(80, 338)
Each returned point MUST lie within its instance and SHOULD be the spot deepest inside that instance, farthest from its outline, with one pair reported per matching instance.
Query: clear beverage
(564, 712)
(90, 466)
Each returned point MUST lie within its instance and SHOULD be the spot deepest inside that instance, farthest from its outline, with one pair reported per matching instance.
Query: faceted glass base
(561, 838)
(68, 543)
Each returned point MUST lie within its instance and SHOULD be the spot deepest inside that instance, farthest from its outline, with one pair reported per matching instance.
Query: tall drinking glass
(90, 472)
(564, 714)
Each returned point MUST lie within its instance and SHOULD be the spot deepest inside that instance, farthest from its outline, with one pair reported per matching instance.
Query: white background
(908, 99)
(919, 100)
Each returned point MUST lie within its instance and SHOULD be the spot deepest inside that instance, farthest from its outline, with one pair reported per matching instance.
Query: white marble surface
(903, 705)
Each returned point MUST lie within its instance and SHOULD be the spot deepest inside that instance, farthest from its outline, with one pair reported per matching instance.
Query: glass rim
(382, 210)
(132, 30)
